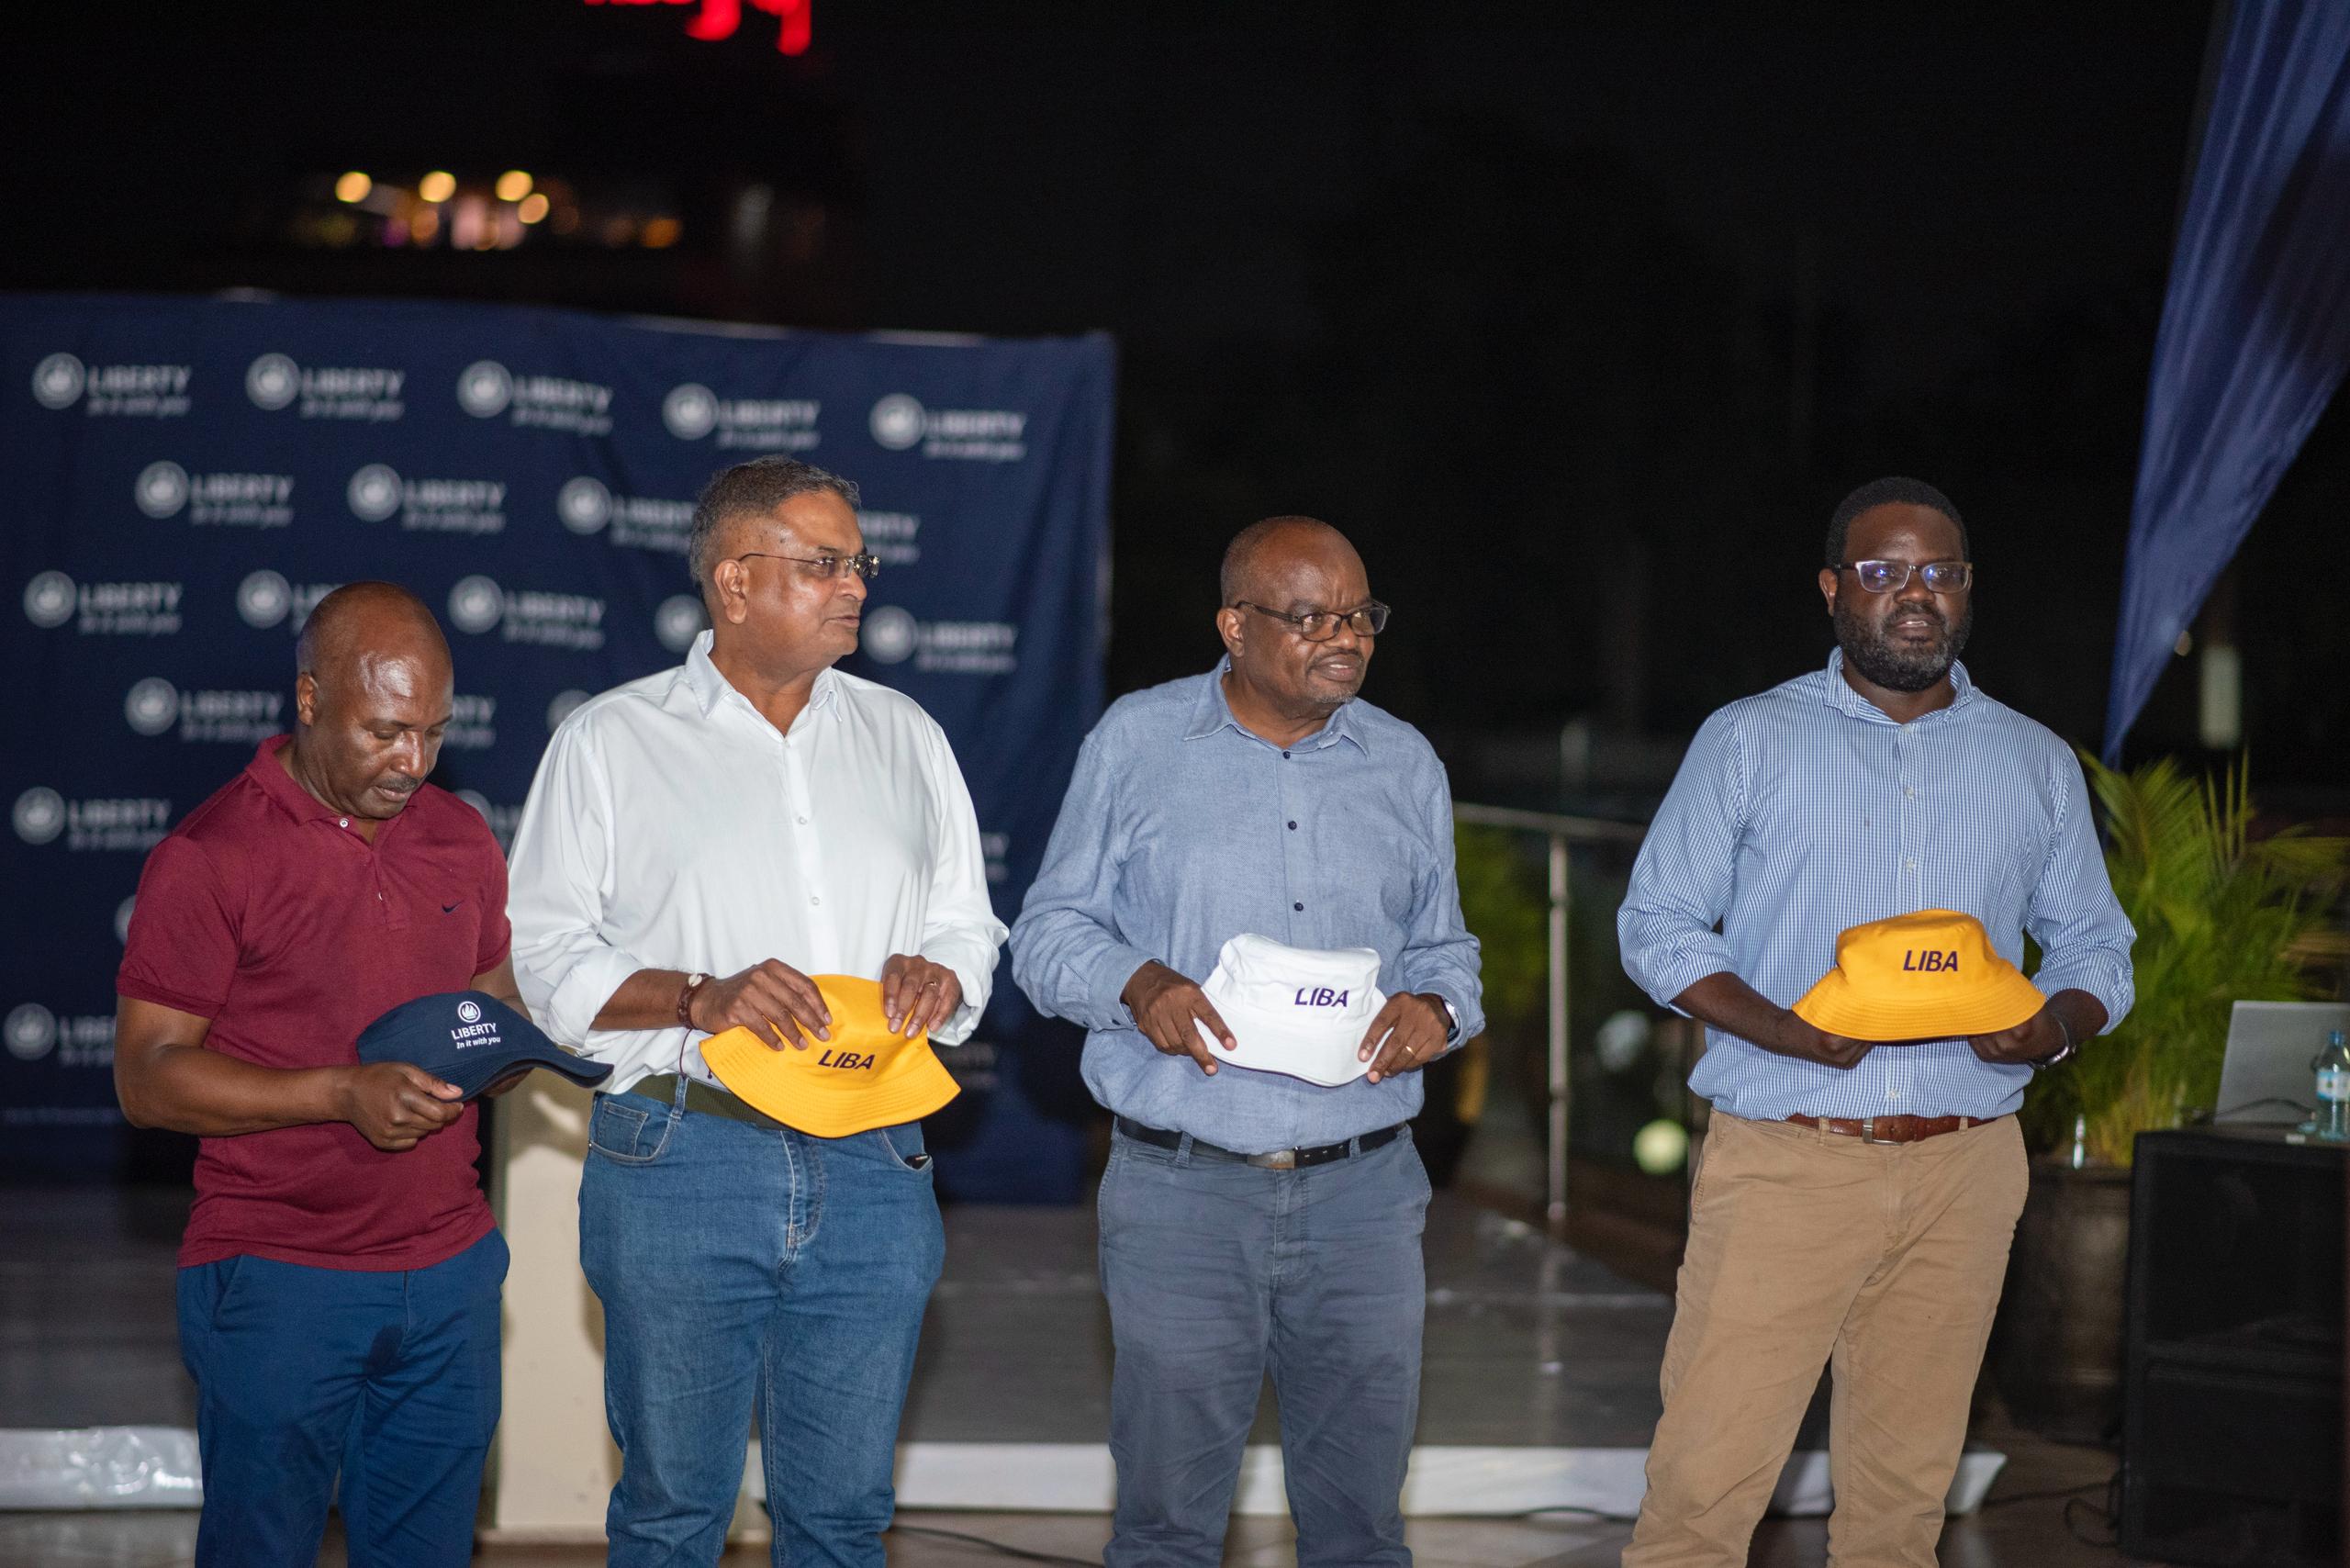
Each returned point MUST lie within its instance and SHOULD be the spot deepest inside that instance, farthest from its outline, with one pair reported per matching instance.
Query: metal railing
(1564, 831)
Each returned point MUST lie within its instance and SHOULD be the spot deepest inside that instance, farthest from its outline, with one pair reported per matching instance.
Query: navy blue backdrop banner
(2256, 328)
(186, 478)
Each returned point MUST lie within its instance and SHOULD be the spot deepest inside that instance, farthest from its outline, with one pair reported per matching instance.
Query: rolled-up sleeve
(1068, 955)
(1440, 955)
(959, 926)
(1684, 876)
(559, 884)
(2084, 936)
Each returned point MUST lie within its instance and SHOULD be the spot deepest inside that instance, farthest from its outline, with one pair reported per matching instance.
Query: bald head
(371, 696)
(1260, 552)
(366, 620)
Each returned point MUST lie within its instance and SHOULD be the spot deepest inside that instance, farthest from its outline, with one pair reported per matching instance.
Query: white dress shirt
(671, 827)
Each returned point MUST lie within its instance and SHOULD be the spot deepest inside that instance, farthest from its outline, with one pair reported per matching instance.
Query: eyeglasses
(1321, 625)
(864, 565)
(1891, 576)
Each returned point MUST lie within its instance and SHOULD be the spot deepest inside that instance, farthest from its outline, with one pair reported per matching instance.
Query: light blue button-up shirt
(1183, 829)
(1806, 810)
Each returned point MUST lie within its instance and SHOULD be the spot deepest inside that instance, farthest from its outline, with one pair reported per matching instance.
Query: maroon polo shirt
(268, 913)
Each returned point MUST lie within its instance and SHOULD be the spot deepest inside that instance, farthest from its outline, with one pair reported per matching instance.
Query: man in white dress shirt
(696, 846)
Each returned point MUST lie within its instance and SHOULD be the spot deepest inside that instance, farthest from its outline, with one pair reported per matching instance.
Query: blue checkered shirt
(1183, 829)
(1806, 810)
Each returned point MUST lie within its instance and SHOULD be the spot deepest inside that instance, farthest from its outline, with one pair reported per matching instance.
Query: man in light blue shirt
(1253, 1222)
(1855, 1200)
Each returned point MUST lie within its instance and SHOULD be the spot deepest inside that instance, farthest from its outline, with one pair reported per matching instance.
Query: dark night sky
(1579, 318)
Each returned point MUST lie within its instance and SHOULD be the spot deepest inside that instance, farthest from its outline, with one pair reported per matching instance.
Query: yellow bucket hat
(1926, 976)
(863, 1076)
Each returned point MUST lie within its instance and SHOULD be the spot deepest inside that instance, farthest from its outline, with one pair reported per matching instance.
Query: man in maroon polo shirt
(339, 1279)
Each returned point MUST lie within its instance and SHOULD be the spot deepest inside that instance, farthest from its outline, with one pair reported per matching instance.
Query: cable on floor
(1578, 1510)
(2042, 1496)
(1004, 1547)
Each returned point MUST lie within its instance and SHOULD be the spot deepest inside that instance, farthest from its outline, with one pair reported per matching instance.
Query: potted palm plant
(2221, 916)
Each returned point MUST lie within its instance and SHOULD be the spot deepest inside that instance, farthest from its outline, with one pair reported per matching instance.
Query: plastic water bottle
(2333, 1065)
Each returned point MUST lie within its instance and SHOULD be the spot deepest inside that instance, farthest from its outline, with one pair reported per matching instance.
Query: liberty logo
(848, 1061)
(1929, 961)
(1318, 996)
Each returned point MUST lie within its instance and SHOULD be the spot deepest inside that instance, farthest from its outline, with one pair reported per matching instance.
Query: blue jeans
(1217, 1273)
(390, 1378)
(745, 1269)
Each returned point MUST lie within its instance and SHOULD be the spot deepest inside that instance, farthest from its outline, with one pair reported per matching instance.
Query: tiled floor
(1528, 1344)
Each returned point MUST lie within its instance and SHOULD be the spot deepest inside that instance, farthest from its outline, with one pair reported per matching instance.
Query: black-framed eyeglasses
(1892, 577)
(1321, 625)
(864, 564)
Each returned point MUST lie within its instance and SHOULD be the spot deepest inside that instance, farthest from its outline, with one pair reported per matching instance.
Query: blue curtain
(2256, 328)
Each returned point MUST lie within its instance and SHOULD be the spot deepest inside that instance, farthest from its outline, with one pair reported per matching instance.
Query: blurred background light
(1661, 1148)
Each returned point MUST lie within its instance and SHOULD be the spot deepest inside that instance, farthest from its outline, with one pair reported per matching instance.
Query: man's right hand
(772, 999)
(395, 1106)
(1806, 1042)
(1169, 1009)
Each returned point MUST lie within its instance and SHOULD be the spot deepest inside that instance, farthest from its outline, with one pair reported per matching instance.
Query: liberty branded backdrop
(185, 478)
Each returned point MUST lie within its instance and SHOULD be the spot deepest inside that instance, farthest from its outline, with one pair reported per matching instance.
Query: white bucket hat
(1301, 1011)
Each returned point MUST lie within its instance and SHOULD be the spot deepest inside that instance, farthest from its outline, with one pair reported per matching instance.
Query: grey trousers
(1218, 1274)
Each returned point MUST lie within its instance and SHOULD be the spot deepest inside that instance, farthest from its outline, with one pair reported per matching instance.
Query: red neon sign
(718, 19)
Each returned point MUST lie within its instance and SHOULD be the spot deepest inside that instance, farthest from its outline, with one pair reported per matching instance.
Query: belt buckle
(1868, 1132)
(1279, 1159)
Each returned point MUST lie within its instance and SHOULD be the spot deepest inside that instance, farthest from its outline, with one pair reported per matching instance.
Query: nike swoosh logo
(449, 908)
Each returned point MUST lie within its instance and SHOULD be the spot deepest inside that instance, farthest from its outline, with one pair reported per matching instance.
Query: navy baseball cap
(470, 1039)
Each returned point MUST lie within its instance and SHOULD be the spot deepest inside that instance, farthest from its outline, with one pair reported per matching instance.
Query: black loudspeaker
(2231, 1452)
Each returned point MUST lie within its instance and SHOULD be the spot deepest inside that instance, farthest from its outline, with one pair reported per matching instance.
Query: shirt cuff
(1669, 980)
(1111, 973)
(2114, 998)
(582, 992)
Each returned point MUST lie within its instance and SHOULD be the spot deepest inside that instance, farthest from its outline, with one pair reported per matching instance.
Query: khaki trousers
(1884, 1260)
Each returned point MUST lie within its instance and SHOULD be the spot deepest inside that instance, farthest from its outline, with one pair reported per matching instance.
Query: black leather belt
(1279, 1159)
(703, 1097)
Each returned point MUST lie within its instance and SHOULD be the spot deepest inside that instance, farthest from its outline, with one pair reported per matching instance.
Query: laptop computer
(2266, 1076)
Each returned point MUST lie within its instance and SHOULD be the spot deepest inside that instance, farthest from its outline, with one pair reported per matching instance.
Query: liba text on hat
(1929, 976)
(470, 1039)
(863, 1076)
(1301, 1011)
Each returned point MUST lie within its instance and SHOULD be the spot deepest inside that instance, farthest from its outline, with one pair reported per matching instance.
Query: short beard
(1895, 668)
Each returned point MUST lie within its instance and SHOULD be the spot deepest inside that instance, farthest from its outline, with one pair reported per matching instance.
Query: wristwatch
(694, 983)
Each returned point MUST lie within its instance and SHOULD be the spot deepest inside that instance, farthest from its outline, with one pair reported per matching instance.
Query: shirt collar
(1210, 712)
(710, 688)
(267, 770)
(1843, 698)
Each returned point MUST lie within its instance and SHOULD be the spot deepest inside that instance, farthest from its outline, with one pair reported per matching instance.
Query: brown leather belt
(1890, 1129)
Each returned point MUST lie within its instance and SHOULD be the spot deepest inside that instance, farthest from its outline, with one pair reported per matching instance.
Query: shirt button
(1911, 864)
(1284, 757)
(1297, 906)
(1292, 827)
(801, 821)
(344, 822)
(813, 898)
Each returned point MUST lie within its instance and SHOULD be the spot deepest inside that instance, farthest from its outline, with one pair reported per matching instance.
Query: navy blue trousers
(386, 1381)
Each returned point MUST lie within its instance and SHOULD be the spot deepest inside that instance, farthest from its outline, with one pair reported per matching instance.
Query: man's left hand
(1415, 1025)
(918, 995)
(2037, 1036)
